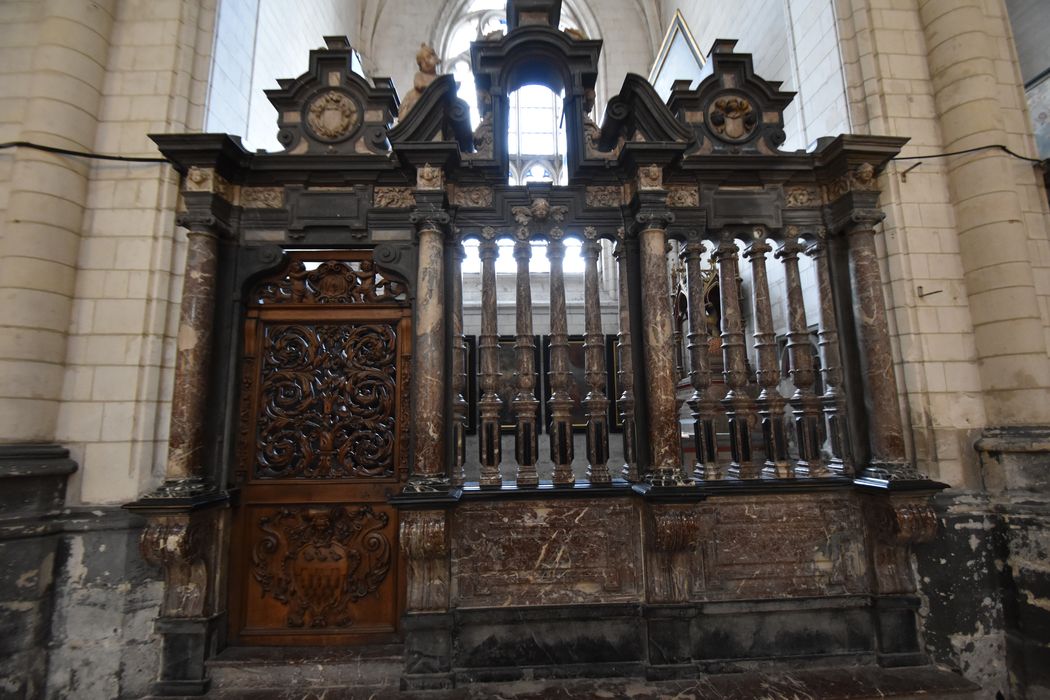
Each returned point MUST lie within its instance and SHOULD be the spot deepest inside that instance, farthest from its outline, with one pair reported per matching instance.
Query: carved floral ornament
(472, 196)
(262, 197)
(332, 115)
(683, 196)
(798, 197)
(732, 117)
(603, 195)
(331, 282)
(394, 197)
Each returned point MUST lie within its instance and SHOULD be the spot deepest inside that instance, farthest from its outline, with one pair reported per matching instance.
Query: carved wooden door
(323, 443)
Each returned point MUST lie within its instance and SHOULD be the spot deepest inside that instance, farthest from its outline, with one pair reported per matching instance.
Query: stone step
(282, 674)
(283, 668)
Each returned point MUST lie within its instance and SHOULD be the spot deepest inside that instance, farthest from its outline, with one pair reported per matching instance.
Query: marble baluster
(624, 374)
(702, 405)
(738, 405)
(526, 406)
(770, 401)
(804, 402)
(832, 400)
(594, 357)
(490, 404)
(560, 401)
(459, 367)
(885, 427)
(189, 400)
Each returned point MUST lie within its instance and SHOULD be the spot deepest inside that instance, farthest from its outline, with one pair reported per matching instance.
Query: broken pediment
(332, 109)
(732, 110)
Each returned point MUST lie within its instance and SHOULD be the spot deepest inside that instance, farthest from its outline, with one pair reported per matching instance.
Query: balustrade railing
(766, 417)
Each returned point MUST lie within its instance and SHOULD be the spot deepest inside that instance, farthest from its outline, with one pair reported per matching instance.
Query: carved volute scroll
(424, 542)
(895, 523)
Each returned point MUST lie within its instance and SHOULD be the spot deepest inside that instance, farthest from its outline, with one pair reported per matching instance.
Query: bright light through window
(506, 264)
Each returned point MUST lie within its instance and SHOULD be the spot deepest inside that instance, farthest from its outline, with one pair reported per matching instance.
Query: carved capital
(864, 220)
(654, 218)
(435, 220)
(171, 541)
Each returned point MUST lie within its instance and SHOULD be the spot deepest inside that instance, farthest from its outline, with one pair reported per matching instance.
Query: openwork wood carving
(327, 398)
(318, 561)
(332, 282)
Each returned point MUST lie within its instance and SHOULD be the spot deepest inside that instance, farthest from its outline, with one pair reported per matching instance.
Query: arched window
(536, 135)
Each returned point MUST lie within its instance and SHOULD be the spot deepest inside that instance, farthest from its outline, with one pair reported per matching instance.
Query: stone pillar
(594, 349)
(459, 367)
(428, 418)
(185, 468)
(489, 438)
(560, 400)
(885, 429)
(44, 213)
(993, 237)
(658, 337)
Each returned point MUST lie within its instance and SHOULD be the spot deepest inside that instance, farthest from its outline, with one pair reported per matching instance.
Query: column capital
(861, 220)
(202, 222)
(653, 218)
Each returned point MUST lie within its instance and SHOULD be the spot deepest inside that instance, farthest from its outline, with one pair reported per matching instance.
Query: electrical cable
(1001, 147)
(81, 154)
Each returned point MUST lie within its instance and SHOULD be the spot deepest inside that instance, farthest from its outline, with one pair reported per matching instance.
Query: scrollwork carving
(675, 530)
(423, 535)
(317, 561)
(332, 282)
(326, 401)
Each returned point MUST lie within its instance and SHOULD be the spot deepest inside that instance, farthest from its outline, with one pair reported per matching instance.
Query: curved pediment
(439, 115)
(638, 114)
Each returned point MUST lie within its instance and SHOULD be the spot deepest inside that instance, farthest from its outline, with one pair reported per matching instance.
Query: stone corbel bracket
(895, 523)
(675, 555)
(424, 544)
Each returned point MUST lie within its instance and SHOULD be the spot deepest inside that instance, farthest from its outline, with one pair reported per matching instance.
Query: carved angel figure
(427, 61)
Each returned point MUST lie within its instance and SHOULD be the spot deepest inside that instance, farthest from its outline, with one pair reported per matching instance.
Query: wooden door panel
(320, 573)
(323, 444)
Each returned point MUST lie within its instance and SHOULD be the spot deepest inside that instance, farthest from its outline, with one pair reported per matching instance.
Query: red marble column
(193, 359)
(658, 346)
(429, 376)
(885, 428)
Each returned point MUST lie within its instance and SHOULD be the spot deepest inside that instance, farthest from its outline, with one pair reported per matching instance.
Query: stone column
(428, 418)
(658, 346)
(1011, 346)
(702, 405)
(885, 429)
(526, 406)
(189, 402)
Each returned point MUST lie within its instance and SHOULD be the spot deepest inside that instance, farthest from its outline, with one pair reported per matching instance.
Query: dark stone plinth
(669, 648)
(186, 643)
(730, 636)
(896, 631)
(548, 641)
(428, 651)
